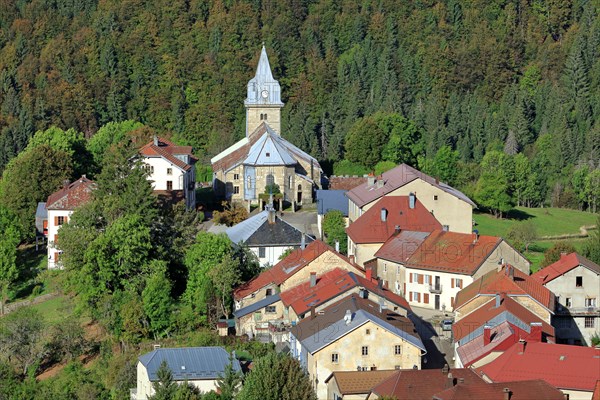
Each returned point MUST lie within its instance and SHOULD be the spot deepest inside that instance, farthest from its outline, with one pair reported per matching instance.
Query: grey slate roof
(188, 363)
(256, 232)
(328, 200)
(318, 332)
(267, 301)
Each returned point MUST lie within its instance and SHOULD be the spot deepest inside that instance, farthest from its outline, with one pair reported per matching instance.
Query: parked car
(446, 324)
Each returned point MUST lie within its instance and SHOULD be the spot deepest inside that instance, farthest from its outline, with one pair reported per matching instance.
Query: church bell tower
(263, 102)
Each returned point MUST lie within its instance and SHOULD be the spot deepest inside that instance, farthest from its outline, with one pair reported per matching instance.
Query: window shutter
(426, 298)
(419, 297)
(404, 291)
(66, 219)
(452, 282)
(410, 277)
(431, 279)
(55, 221)
(410, 296)
(420, 278)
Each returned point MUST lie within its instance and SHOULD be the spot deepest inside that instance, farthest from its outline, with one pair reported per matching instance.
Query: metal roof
(267, 301)
(188, 363)
(328, 200)
(269, 151)
(263, 80)
(257, 231)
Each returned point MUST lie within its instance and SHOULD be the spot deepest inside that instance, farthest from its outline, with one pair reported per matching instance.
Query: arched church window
(270, 180)
(299, 187)
(265, 117)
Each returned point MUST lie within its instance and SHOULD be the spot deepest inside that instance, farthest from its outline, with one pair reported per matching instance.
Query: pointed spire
(263, 70)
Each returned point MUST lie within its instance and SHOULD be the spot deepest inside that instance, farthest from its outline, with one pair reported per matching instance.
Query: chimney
(446, 369)
(313, 279)
(383, 215)
(535, 333)
(271, 214)
(379, 182)
(498, 300)
(370, 180)
(487, 334)
(66, 183)
(337, 246)
(450, 380)
(511, 272)
(303, 242)
(507, 393)
(521, 346)
(156, 346)
(155, 140)
(348, 317)
(369, 274)
(313, 312)
(397, 229)
(380, 283)
(411, 200)
(461, 380)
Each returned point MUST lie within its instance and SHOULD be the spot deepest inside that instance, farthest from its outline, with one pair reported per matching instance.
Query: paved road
(439, 346)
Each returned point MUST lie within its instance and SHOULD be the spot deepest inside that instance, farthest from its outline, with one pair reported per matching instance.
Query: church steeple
(263, 101)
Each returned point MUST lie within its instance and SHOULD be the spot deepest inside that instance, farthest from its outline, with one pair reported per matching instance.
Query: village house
(452, 208)
(575, 370)
(482, 335)
(60, 205)
(354, 385)
(507, 280)
(516, 390)
(171, 169)
(197, 366)
(257, 302)
(354, 334)
(575, 281)
(429, 269)
(388, 216)
(263, 158)
(267, 236)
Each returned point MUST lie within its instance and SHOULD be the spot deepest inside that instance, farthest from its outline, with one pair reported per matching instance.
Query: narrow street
(438, 343)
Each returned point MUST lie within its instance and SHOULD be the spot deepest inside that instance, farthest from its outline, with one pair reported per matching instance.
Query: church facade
(249, 168)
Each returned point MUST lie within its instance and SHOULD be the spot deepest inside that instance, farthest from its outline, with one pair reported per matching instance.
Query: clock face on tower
(264, 94)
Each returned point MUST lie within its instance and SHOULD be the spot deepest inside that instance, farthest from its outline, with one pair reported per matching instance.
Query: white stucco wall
(53, 233)
(144, 387)
(272, 254)
(180, 178)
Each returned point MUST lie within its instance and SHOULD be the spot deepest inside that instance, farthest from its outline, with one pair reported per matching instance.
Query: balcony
(579, 311)
(437, 289)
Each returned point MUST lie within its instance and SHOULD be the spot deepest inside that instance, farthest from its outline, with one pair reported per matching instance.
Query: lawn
(548, 222)
(55, 309)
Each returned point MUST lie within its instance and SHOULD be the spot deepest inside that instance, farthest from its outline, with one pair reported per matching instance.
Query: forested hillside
(511, 76)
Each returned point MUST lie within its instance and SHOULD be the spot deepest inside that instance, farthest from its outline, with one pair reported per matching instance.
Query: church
(254, 165)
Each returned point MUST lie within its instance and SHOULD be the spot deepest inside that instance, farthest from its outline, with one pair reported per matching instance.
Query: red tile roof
(331, 285)
(564, 265)
(71, 196)
(518, 390)
(396, 178)
(452, 252)
(287, 267)
(562, 366)
(488, 311)
(400, 247)
(369, 227)
(358, 382)
(345, 182)
(502, 337)
(422, 384)
(519, 284)
(168, 150)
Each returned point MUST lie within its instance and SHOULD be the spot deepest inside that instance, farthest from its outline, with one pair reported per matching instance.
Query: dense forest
(473, 77)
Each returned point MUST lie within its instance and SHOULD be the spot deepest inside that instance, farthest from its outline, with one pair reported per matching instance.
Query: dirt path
(10, 307)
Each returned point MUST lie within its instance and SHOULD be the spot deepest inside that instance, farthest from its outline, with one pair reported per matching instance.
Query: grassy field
(547, 221)
(55, 309)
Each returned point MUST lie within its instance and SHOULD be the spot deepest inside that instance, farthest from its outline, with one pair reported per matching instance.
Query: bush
(346, 167)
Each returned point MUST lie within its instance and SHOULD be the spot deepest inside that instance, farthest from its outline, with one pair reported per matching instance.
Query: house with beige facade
(197, 366)
(388, 216)
(60, 205)
(575, 281)
(354, 334)
(171, 170)
(429, 269)
(452, 208)
(244, 171)
(257, 302)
